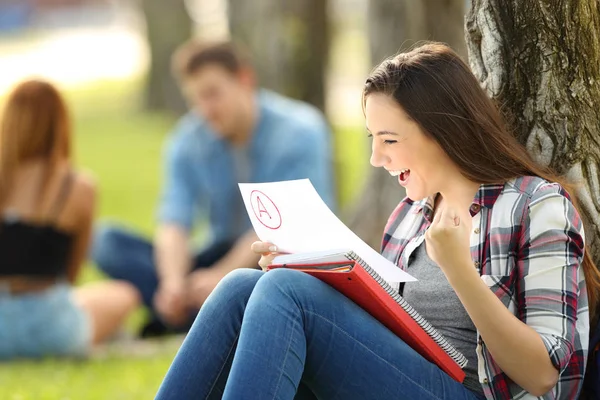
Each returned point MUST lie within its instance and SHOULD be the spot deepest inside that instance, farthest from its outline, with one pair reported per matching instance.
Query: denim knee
(295, 284)
(237, 285)
(105, 248)
(239, 280)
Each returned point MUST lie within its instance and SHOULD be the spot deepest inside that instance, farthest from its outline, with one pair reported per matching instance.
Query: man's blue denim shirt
(292, 140)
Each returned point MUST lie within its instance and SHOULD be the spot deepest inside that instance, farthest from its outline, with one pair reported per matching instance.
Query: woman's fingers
(264, 248)
(265, 261)
(268, 252)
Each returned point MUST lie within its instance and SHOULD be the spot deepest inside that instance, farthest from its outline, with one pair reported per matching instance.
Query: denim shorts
(42, 324)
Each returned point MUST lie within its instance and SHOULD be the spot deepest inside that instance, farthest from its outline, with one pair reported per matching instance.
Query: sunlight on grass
(123, 152)
(115, 377)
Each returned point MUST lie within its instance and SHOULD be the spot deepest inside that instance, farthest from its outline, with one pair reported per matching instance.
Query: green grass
(114, 375)
(121, 146)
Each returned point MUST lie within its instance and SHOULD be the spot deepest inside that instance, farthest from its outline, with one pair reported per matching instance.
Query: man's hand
(169, 302)
(200, 285)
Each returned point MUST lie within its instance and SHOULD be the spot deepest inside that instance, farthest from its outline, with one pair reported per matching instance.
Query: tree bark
(289, 44)
(167, 26)
(395, 25)
(541, 60)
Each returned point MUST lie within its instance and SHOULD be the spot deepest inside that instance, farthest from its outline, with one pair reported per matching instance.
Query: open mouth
(402, 174)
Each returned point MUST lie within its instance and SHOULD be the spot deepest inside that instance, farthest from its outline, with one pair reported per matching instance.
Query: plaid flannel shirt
(527, 243)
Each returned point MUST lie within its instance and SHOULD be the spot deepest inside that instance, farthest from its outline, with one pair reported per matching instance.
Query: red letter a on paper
(261, 208)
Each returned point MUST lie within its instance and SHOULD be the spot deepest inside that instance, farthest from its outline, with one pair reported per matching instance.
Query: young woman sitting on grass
(496, 242)
(46, 214)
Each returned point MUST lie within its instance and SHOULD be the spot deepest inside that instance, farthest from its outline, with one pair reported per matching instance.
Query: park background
(539, 59)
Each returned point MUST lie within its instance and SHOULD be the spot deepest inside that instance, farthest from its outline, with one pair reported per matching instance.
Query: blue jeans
(284, 335)
(124, 255)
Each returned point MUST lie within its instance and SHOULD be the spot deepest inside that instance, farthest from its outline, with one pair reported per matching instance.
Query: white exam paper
(292, 215)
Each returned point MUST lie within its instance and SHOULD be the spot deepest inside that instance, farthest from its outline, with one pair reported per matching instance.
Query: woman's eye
(390, 141)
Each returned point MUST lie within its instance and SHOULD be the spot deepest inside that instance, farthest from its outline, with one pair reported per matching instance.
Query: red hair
(35, 125)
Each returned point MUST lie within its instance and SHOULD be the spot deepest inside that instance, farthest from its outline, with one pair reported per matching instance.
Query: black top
(39, 250)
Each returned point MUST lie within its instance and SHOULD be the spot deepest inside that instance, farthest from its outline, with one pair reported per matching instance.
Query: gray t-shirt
(433, 298)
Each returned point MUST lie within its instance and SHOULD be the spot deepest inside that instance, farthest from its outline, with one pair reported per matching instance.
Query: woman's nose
(378, 159)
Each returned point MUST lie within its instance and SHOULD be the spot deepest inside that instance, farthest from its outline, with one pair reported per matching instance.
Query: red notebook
(351, 276)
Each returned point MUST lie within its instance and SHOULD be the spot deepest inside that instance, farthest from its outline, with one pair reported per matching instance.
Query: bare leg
(108, 304)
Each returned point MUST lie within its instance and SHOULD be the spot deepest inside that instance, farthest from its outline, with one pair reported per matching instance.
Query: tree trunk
(167, 26)
(289, 43)
(395, 25)
(541, 59)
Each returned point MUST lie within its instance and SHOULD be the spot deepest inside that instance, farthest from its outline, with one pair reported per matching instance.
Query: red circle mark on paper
(265, 210)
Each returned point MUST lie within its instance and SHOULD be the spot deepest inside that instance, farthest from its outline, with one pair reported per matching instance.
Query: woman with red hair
(46, 214)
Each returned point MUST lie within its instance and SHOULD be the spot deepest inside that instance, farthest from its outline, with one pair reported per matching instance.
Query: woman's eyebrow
(382, 133)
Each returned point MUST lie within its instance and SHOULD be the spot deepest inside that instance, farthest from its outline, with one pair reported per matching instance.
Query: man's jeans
(122, 254)
(284, 335)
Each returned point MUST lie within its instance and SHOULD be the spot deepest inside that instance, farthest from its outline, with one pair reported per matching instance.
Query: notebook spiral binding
(456, 355)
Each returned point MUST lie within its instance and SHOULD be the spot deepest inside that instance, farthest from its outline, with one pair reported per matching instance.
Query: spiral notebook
(351, 276)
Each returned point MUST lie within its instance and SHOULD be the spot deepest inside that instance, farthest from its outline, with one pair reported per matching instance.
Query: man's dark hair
(194, 55)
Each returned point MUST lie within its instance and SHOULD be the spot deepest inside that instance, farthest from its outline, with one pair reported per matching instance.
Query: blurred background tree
(544, 68)
(289, 42)
(168, 24)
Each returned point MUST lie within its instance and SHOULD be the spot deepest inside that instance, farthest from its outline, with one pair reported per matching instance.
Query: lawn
(116, 375)
(121, 146)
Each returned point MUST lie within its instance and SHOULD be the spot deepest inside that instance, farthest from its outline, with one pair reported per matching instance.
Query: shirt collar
(256, 140)
(485, 197)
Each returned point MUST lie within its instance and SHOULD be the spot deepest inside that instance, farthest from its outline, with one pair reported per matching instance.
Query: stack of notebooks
(350, 275)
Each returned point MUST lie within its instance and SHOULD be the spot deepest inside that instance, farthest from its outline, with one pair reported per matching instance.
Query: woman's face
(401, 147)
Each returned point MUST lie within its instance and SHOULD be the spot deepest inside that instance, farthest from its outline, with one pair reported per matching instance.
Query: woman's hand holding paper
(268, 252)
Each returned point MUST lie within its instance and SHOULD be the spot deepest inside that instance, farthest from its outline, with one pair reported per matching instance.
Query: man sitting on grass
(233, 133)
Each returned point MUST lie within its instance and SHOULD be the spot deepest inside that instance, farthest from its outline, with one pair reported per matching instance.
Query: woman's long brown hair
(437, 90)
(35, 125)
